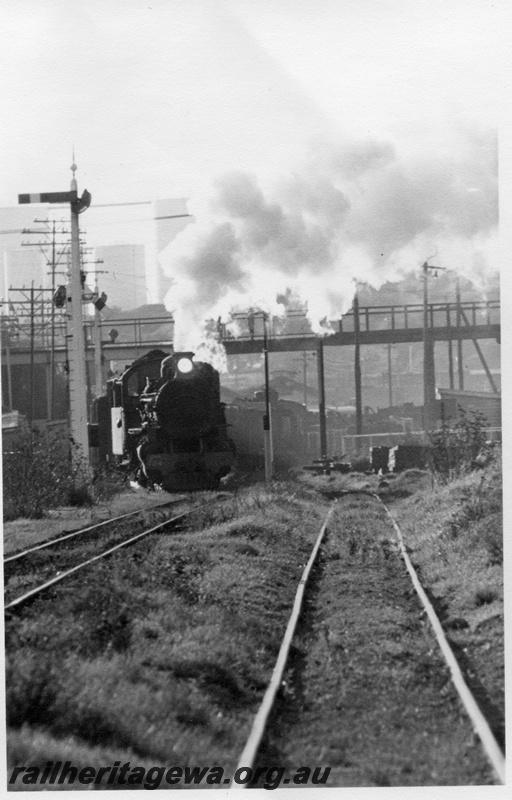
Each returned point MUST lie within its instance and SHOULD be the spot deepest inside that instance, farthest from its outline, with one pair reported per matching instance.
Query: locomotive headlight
(185, 365)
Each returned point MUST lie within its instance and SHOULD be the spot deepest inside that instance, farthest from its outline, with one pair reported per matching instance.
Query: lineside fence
(340, 444)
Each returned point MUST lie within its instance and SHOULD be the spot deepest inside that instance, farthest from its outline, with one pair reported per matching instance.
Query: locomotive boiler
(168, 424)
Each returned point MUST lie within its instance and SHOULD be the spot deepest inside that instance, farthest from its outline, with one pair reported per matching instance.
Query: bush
(478, 512)
(41, 472)
(107, 482)
(456, 450)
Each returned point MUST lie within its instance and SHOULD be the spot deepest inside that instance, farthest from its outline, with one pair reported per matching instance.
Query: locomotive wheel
(141, 478)
(149, 478)
(153, 477)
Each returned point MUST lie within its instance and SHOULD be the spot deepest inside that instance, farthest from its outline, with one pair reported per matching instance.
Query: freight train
(163, 419)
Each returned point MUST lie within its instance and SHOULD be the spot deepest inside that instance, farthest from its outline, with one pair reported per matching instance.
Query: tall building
(20, 265)
(122, 275)
(21, 268)
(171, 217)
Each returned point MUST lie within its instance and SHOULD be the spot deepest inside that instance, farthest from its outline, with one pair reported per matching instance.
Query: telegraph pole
(53, 264)
(32, 351)
(357, 369)
(428, 359)
(267, 419)
(42, 247)
(305, 378)
(321, 398)
(52, 343)
(429, 377)
(390, 377)
(305, 388)
(6, 336)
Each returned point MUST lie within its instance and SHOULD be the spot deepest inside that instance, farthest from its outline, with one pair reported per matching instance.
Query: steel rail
(72, 534)
(252, 745)
(18, 601)
(480, 724)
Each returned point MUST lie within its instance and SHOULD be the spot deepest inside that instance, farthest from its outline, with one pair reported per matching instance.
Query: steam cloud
(360, 211)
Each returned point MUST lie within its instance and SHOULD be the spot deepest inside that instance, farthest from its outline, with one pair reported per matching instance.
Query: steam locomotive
(163, 418)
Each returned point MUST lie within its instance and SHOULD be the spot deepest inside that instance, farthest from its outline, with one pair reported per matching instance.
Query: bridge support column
(460, 361)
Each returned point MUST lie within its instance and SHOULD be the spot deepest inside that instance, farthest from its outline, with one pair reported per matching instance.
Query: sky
(158, 97)
(360, 134)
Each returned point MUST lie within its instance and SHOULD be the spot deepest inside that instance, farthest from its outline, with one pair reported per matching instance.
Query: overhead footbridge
(128, 339)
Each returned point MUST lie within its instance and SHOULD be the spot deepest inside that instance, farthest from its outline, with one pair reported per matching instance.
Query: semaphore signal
(75, 332)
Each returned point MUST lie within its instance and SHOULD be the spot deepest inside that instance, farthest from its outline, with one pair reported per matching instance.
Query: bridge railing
(402, 317)
(137, 330)
(371, 318)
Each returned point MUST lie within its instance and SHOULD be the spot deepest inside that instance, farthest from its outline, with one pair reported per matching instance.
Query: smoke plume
(354, 212)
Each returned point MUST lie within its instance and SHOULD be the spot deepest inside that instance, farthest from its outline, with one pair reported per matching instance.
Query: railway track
(89, 529)
(338, 645)
(359, 690)
(30, 572)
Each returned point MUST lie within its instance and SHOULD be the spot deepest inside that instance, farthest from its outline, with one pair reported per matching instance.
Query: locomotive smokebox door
(117, 418)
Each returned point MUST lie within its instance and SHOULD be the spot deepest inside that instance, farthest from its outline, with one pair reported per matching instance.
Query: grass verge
(161, 654)
(455, 538)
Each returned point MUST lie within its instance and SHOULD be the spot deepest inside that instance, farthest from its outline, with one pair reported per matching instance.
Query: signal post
(75, 330)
